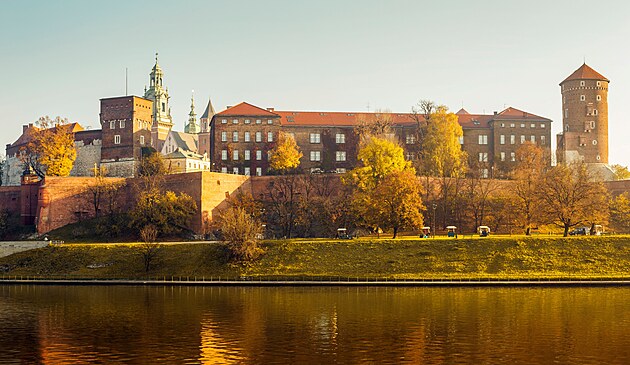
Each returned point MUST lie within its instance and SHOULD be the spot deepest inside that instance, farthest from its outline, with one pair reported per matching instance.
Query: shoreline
(602, 282)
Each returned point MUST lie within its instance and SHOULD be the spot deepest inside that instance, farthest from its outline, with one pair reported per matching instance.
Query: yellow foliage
(51, 148)
(443, 154)
(286, 154)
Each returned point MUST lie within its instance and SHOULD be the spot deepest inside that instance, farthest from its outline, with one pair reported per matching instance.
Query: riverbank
(496, 259)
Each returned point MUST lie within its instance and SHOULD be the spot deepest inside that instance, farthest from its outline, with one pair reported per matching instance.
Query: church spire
(192, 126)
(206, 117)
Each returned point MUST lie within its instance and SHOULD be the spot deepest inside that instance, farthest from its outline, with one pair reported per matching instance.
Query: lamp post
(434, 206)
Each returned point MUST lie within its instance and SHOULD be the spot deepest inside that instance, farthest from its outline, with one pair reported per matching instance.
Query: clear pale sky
(61, 57)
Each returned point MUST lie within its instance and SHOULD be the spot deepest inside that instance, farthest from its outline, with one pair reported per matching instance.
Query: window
(484, 173)
(595, 112)
(410, 139)
(315, 156)
(247, 138)
(566, 113)
(258, 171)
(582, 98)
(247, 155)
(542, 139)
(235, 170)
(592, 124)
(461, 140)
(533, 125)
(340, 170)
(599, 83)
(258, 136)
(502, 139)
(340, 138)
(246, 171)
(542, 125)
(269, 136)
(314, 138)
(502, 124)
(122, 124)
(483, 156)
(522, 139)
(511, 125)
(224, 155)
(258, 121)
(483, 139)
(270, 121)
(512, 156)
(234, 121)
(258, 155)
(142, 140)
(223, 121)
(512, 139)
(340, 156)
(235, 136)
(112, 125)
(581, 83)
(598, 98)
(247, 121)
(594, 142)
(235, 155)
(223, 136)
(163, 107)
(224, 170)
(582, 141)
(502, 156)
(522, 125)
(117, 139)
(532, 139)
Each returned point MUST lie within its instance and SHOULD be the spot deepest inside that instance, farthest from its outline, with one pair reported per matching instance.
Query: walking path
(10, 247)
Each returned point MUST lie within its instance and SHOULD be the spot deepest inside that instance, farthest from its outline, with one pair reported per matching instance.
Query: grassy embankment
(495, 257)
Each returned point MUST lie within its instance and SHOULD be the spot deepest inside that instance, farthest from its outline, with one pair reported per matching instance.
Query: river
(313, 325)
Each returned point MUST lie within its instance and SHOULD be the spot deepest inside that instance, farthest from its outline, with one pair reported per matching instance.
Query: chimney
(25, 127)
(270, 109)
(228, 107)
(496, 112)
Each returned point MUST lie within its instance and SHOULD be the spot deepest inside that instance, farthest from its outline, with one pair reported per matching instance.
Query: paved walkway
(10, 247)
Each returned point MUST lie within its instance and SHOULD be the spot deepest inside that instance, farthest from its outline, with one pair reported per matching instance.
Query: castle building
(158, 94)
(584, 134)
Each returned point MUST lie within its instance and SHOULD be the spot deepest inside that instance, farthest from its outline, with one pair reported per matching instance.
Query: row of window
(246, 136)
(532, 139)
(121, 124)
(315, 156)
(246, 121)
(117, 139)
(523, 125)
(340, 156)
(583, 83)
(246, 171)
(316, 138)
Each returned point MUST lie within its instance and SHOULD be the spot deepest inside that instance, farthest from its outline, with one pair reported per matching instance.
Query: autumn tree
(531, 163)
(386, 193)
(167, 211)
(376, 124)
(50, 150)
(620, 172)
(286, 154)
(442, 154)
(241, 232)
(478, 192)
(620, 212)
(570, 197)
(282, 203)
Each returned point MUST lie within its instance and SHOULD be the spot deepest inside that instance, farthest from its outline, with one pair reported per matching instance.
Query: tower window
(112, 125)
(117, 139)
(581, 83)
(582, 98)
(235, 121)
(599, 83)
(163, 107)
(122, 124)
(599, 98)
(594, 142)
(142, 140)
(542, 139)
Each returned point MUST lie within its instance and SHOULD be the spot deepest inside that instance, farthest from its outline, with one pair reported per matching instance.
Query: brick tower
(585, 119)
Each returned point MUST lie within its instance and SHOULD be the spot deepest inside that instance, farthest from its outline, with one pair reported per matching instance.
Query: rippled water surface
(328, 325)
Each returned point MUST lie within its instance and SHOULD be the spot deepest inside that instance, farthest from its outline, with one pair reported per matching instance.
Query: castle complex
(238, 139)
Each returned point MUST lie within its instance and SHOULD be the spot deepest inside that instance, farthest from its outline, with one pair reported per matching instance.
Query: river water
(313, 325)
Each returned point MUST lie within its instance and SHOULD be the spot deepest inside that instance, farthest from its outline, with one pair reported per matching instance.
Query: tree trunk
(395, 232)
(566, 230)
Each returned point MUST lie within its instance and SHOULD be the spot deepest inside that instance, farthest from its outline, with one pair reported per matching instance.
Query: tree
(150, 247)
(282, 203)
(527, 175)
(376, 124)
(478, 191)
(379, 157)
(240, 232)
(152, 164)
(442, 154)
(286, 154)
(396, 203)
(620, 212)
(570, 197)
(50, 150)
(620, 172)
(3, 166)
(168, 212)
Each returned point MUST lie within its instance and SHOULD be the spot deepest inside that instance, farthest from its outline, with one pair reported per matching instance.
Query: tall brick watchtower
(584, 118)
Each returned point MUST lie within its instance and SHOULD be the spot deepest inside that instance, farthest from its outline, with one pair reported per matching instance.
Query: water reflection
(195, 325)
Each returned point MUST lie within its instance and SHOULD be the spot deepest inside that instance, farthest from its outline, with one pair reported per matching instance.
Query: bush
(240, 232)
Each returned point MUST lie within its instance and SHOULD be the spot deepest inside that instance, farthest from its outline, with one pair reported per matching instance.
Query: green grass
(507, 257)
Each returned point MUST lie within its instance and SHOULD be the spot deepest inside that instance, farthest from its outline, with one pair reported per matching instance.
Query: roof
(475, 120)
(516, 114)
(246, 109)
(186, 141)
(209, 112)
(26, 136)
(180, 153)
(299, 118)
(585, 72)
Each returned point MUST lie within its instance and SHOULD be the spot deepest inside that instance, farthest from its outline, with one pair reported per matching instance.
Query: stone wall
(12, 172)
(88, 156)
(10, 199)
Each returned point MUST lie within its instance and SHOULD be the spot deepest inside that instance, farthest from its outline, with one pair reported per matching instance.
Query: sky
(58, 58)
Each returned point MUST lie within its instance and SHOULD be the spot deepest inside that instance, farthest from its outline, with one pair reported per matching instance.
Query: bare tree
(150, 247)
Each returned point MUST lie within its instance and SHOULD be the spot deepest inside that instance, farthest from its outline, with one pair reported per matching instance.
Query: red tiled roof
(513, 113)
(474, 120)
(244, 109)
(585, 72)
(289, 118)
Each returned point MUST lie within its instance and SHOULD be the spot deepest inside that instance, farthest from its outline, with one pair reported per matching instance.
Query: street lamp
(434, 206)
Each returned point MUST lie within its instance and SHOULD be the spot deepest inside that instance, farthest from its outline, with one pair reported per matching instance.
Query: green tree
(620, 172)
(50, 150)
(379, 158)
(442, 154)
(3, 166)
(241, 232)
(286, 154)
(527, 175)
(570, 197)
(170, 213)
(152, 164)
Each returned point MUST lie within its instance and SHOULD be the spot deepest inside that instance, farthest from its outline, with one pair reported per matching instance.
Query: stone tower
(192, 126)
(158, 94)
(584, 119)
